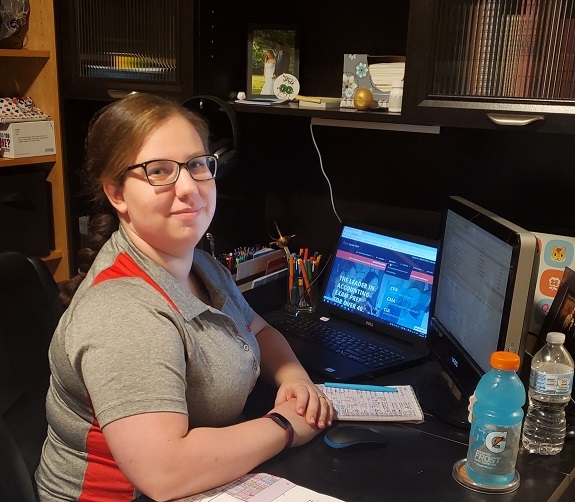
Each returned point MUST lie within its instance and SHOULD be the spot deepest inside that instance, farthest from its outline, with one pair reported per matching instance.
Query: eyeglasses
(166, 172)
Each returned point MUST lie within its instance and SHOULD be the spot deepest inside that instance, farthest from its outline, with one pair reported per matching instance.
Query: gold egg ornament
(363, 99)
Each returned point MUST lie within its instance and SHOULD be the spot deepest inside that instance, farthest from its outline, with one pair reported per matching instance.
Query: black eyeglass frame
(143, 165)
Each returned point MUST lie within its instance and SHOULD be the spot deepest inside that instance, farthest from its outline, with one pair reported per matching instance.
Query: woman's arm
(281, 367)
(164, 460)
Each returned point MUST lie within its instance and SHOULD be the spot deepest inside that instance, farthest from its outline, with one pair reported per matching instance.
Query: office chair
(29, 312)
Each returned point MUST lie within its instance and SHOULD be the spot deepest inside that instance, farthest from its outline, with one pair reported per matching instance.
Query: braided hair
(115, 136)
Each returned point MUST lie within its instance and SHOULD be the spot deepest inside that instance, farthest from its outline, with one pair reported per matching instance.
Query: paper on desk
(362, 405)
(260, 487)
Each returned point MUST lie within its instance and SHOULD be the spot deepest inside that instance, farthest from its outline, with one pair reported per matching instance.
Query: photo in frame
(272, 50)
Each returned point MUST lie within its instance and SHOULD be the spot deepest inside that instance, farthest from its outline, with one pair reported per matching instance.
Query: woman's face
(373, 284)
(168, 220)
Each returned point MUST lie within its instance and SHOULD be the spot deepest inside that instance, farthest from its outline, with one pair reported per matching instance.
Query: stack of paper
(383, 74)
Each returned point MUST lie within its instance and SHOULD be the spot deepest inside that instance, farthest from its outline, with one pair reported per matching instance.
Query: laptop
(373, 313)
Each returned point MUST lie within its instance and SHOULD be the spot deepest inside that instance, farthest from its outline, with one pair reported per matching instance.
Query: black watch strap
(285, 424)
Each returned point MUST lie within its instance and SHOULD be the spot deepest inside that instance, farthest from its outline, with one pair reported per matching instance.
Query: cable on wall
(323, 172)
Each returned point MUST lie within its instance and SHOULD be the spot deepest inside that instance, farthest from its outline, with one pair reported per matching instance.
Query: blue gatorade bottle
(496, 423)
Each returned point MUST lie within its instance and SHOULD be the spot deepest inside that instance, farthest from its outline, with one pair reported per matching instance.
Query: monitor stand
(439, 396)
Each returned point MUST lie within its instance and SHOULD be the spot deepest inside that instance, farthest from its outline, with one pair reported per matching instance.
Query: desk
(416, 463)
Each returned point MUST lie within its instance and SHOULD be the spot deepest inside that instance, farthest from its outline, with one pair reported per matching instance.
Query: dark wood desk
(414, 465)
(416, 462)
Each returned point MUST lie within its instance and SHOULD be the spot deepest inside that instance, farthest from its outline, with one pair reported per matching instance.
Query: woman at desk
(155, 356)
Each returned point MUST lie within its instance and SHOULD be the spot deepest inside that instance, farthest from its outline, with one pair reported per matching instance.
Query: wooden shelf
(33, 72)
(26, 161)
(55, 254)
(24, 53)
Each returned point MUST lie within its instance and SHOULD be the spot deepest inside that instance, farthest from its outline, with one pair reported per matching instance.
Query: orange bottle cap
(503, 360)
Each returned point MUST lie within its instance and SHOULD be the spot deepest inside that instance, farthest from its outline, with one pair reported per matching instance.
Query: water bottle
(496, 423)
(395, 96)
(550, 384)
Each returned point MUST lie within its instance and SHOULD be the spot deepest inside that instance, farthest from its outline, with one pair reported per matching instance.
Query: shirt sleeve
(126, 344)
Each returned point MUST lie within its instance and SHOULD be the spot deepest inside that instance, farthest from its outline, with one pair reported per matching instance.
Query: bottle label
(557, 384)
(493, 448)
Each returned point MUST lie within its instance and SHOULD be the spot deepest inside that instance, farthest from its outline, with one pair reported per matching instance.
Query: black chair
(29, 312)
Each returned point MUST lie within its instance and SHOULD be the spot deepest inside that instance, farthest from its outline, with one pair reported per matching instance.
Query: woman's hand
(310, 402)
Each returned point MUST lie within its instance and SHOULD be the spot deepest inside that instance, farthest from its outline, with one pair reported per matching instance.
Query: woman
(370, 291)
(269, 70)
(157, 351)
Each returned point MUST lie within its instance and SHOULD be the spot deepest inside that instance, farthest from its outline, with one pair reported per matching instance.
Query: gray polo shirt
(134, 341)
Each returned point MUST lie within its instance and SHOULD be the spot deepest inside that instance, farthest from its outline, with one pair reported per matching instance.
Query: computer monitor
(482, 301)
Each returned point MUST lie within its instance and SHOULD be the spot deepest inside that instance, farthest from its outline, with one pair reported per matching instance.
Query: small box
(27, 139)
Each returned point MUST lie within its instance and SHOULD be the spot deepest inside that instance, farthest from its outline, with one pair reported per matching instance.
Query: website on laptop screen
(382, 277)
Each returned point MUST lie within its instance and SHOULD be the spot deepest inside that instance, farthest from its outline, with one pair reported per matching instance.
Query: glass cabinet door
(495, 56)
(113, 47)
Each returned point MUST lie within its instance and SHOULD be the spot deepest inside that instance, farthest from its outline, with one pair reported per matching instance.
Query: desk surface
(414, 465)
(416, 462)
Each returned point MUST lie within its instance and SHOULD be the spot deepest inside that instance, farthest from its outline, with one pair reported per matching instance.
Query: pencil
(304, 273)
(290, 273)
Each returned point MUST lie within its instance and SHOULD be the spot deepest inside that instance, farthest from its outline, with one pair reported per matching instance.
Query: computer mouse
(354, 437)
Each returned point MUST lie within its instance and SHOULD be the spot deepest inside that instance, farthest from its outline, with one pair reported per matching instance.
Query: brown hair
(115, 136)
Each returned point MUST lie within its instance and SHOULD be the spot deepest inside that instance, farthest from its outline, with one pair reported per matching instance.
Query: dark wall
(396, 179)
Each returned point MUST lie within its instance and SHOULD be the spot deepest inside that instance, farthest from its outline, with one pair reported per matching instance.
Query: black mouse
(354, 437)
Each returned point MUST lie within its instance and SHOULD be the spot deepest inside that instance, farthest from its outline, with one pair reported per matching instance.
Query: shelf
(340, 114)
(23, 161)
(344, 117)
(24, 53)
(55, 254)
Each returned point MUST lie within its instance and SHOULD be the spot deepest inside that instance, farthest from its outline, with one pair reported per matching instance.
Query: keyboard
(342, 343)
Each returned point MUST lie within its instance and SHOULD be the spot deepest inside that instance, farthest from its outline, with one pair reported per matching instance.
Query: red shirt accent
(103, 480)
(125, 266)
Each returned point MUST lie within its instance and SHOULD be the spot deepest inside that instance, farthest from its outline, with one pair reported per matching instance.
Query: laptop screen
(384, 278)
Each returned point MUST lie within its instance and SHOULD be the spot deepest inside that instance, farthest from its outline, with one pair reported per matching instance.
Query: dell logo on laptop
(369, 323)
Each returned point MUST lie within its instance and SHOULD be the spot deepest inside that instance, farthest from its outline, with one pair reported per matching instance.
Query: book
(261, 487)
(261, 101)
(317, 99)
(369, 406)
(320, 106)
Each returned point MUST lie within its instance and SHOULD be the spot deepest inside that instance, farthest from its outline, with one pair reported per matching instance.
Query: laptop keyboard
(341, 343)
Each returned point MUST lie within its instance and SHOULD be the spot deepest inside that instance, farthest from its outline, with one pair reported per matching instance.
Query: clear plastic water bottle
(550, 385)
(395, 96)
(496, 423)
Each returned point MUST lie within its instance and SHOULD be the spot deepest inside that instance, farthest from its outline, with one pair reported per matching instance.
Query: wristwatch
(285, 424)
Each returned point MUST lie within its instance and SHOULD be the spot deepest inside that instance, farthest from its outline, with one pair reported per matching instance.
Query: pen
(356, 386)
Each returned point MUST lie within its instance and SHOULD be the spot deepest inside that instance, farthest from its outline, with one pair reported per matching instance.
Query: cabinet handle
(119, 94)
(513, 120)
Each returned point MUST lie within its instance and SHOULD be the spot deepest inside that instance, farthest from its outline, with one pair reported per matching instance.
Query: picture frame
(284, 41)
(561, 315)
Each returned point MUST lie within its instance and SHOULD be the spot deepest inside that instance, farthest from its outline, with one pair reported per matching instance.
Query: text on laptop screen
(382, 277)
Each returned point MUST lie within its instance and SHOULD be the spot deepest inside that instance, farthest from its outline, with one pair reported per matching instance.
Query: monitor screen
(384, 277)
(485, 279)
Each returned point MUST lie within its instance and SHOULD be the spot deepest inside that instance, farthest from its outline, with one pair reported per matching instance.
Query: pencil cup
(302, 294)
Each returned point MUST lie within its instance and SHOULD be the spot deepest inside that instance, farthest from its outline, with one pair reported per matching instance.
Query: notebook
(373, 313)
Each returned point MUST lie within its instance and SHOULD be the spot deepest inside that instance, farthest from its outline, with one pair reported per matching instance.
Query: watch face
(285, 424)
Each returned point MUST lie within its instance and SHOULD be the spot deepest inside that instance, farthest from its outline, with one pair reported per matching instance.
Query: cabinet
(32, 71)
(110, 48)
(491, 64)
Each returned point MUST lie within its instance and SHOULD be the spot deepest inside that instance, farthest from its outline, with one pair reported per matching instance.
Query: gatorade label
(552, 384)
(493, 448)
